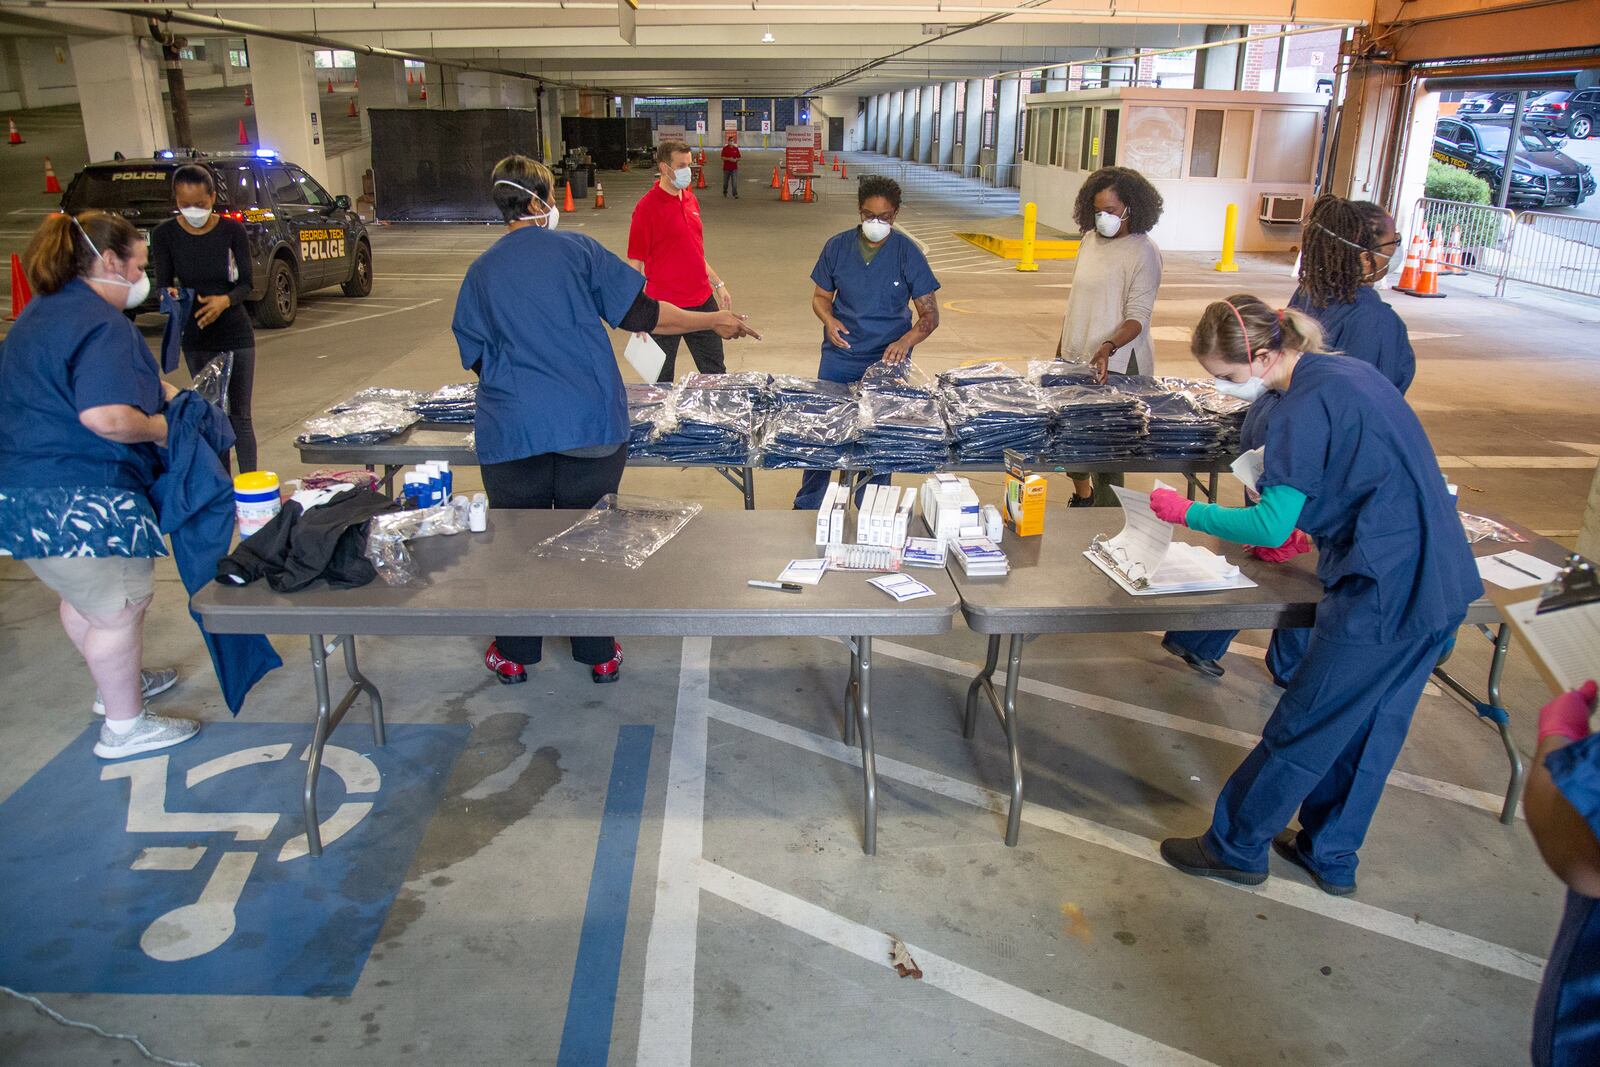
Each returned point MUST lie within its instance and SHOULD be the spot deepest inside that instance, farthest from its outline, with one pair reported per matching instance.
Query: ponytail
(1238, 328)
(58, 251)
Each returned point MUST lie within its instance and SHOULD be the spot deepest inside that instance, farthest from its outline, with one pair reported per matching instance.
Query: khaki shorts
(97, 587)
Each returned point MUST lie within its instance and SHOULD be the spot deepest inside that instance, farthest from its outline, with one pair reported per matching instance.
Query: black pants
(705, 347)
(240, 386)
(730, 183)
(548, 481)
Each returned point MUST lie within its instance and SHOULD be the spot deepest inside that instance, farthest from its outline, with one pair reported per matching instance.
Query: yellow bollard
(1030, 233)
(1230, 227)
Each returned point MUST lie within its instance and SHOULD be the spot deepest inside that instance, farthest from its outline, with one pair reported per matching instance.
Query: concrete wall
(37, 72)
(847, 107)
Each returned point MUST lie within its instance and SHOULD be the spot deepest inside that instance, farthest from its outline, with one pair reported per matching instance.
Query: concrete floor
(755, 929)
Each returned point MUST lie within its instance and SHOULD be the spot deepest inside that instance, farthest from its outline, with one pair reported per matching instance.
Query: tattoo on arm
(927, 314)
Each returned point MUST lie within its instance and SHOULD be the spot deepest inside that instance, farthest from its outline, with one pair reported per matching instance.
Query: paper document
(1145, 537)
(902, 587)
(804, 571)
(1516, 570)
(1566, 641)
(1145, 561)
(645, 356)
(1249, 468)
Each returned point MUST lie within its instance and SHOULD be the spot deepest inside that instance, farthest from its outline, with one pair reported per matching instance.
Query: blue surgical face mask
(682, 176)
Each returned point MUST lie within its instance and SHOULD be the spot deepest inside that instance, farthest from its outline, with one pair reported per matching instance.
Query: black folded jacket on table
(297, 548)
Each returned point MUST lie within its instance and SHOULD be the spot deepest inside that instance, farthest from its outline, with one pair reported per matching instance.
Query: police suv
(301, 237)
(1541, 175)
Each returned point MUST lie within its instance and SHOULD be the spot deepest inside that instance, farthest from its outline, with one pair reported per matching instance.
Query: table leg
(869, 760)
(1495, 712)
(329, 716)
(852, 692)
(1005, 709)
(1211, 487)
(984, 680)
(1192, 486)
(749, 489)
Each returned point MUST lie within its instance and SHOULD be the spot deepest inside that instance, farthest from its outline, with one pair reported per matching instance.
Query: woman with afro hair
(1107, 322)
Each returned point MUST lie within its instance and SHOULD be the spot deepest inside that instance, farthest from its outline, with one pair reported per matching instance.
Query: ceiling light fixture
(767, 38)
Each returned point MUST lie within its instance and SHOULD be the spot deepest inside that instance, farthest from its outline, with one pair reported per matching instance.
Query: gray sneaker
(151, 683)
(151, 733)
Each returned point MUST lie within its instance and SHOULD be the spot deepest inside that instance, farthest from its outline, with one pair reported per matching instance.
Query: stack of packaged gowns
(1095, 423)
(812, 424)
(380, 394)
(902, 422)
(647, 406)
(453, 404)
(1180, 429)
(1055, 373)
(1229, 411)
(991, 408)
(365, 424)
(709, 419)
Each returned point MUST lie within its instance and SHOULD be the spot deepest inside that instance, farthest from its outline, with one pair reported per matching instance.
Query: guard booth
(1202, 149)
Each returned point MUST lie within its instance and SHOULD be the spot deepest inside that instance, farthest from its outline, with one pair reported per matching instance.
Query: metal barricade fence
(1485, 233)
(1554, 251)
(968, 183)
(1560, 252)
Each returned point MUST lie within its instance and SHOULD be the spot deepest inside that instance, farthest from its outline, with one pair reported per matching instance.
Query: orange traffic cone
(410, 78)
(775, 177)
(625, 167)
(51, 185)
(330, 86)
(567, 205)
(784, 197)
(599, 196)
(701, 183)
(808, 197)
(1428, 282)
(424, 91)
(249, 101)
(244, 138)
(16, 138)
(20, 293)
(1453, 253)
(352, 112)
(844, 171)
(1413, 267)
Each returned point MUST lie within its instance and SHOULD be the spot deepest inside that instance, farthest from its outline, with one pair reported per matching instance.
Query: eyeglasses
(1389, 246)
(887, 216)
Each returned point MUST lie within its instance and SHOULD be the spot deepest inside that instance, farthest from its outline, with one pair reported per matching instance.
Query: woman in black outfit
(203, 251)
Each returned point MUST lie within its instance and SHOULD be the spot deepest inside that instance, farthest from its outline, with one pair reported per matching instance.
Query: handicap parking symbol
(186, 871)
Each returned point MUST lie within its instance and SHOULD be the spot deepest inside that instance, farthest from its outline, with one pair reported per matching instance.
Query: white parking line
(1405, 928)
(362, 318)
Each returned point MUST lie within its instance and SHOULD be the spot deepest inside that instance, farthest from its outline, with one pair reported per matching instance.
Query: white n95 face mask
(876, 230)
(1249, 391)
(682, 176)
(195, 216)
(1107, 223)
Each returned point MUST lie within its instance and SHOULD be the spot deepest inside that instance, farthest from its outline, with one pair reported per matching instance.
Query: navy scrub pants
(1326, 750)
(1284, 652)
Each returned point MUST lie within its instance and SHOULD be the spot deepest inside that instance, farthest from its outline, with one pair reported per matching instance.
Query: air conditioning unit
(1283, 209)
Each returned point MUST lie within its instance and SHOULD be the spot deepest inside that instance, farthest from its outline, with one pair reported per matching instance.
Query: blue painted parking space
(185, 871)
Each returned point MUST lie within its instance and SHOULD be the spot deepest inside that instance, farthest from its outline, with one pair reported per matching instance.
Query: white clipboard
(645, 357)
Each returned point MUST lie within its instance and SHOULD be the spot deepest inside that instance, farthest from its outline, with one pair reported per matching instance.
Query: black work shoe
(1287, 845)
(1189, 855)
(1208, 667)
(1081, 501)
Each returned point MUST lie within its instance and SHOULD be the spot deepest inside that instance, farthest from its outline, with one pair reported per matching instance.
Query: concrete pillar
(947, 124)
(287, 104)
(910, 115)
(1220, 68)
(925, 127)
(880, 141)
(872, 124)
(628, 105)
(973, 144)
(1008, 99)
(474, 88)
(713, 135)
(119, 93)
(383, 84)
(897, 103)
(550, 113)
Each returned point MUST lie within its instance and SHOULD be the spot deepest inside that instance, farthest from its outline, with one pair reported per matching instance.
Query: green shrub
(1445, 182)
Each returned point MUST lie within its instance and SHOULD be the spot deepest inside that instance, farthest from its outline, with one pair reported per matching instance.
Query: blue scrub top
(70, 351)
(872, 299)
(1366, 329)
(1392, 556)
(1566, 1022)
(529, 318)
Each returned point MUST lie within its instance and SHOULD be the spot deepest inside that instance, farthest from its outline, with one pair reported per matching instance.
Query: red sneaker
(610, 670)
(508, 671)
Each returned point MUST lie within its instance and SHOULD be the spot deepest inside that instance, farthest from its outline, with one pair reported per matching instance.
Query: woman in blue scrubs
(552, 417)
(1563, 808)
(81, 419)
(865, 279)
(1345, 247)
(1347, 462)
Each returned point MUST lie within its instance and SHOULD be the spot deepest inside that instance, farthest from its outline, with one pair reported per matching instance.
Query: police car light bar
(168, 154)
(266, 153)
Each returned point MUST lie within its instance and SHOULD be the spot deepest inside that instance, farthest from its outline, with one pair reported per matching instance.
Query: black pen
(1507, 563)
(785, 587)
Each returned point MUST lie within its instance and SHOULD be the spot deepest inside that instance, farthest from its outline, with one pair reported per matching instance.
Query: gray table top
(1052, 588)
(693, 586)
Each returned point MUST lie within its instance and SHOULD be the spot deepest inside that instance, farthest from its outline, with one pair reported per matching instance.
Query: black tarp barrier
(432, 165)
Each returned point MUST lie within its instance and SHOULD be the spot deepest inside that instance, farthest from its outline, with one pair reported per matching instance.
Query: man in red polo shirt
(730, 165)
(666, 245)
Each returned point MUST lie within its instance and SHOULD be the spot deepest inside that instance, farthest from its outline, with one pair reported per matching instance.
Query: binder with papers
(1560, 625)
(1144, 560)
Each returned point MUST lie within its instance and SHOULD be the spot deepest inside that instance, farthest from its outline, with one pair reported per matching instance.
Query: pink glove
(1297, 544)
(1568, 714)
(1169, 506)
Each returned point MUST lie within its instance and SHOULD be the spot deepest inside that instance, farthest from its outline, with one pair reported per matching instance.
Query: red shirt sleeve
(639, 231)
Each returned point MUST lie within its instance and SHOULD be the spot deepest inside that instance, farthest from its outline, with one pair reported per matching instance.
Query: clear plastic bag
(455, 405)
(620, 529)
(904, 379)
(1060, 372)
(212, 381)
(1479, 528)
(378, 394)
(366, 425)
(388, 533)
